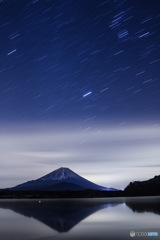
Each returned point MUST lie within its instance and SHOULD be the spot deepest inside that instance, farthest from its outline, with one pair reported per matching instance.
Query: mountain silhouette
(60, 215)
(149, 187)
(62, 179)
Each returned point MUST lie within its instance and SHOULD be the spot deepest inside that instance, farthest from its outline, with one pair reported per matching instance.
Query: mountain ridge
(61, 179)
(150, 187)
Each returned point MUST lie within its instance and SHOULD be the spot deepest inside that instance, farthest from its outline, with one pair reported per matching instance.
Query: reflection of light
(100, 216)
(105, 215)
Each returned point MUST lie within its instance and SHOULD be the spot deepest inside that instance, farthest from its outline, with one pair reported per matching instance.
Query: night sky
(79, 70)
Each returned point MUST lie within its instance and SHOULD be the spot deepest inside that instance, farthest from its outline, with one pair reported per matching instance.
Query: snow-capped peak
(59, 174)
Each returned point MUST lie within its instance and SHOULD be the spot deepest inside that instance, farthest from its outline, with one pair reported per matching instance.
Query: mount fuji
(62, 179)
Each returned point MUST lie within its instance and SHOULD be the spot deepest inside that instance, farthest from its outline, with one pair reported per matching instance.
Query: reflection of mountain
(141, 205)
(60, 215)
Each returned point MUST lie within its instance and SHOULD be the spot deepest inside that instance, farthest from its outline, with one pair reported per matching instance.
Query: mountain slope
(61, 179)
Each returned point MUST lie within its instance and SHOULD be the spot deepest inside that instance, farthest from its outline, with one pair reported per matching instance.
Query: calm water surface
(79, 218)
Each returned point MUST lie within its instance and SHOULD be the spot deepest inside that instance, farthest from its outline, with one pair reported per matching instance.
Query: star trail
(54, 52)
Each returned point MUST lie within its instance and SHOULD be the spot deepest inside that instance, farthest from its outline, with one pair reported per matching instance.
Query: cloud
(106, 155)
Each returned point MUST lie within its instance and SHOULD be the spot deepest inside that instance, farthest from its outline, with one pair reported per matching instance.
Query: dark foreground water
(80, 219)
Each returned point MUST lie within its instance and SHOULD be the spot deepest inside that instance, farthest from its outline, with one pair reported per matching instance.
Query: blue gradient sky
(80, 88)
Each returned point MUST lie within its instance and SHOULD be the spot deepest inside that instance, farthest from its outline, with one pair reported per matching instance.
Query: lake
(105, 218)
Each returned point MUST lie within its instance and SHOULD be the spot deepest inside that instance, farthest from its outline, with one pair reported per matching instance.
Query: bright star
(87, 94)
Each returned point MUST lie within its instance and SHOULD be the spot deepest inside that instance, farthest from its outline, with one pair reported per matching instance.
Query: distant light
(87, 94)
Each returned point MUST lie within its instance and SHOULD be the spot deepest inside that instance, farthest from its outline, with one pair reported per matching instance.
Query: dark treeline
(59, 194)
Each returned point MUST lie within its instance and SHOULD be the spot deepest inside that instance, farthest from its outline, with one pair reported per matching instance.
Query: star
(87, 94)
